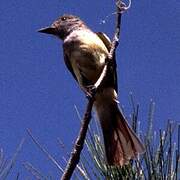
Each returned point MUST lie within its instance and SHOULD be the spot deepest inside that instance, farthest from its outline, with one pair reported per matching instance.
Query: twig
(44, 151)
(35, 172)
(75, 155)
(81, 170)
(8, 167)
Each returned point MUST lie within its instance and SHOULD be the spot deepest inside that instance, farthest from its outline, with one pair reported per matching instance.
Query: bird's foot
(90, 91)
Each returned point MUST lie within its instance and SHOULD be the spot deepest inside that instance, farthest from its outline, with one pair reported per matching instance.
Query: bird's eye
(63, 18)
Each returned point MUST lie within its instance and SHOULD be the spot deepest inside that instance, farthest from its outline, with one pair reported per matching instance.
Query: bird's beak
(48, 30)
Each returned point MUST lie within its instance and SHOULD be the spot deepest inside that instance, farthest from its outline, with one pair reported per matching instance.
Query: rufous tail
(121, 143)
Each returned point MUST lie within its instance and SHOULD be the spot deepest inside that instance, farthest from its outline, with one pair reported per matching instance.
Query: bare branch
(75, 155)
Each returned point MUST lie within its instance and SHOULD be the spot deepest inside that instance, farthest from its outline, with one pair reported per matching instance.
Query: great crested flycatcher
(85, 53)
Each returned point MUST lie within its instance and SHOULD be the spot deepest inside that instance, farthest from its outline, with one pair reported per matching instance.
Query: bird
(85, 55)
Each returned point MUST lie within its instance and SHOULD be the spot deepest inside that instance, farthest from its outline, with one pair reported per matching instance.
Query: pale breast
(87, 54)
(86, 37)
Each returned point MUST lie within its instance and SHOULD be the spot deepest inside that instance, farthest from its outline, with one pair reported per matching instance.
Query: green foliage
(160, 161)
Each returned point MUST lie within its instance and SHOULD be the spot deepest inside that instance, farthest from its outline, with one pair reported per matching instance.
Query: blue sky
(37, 91)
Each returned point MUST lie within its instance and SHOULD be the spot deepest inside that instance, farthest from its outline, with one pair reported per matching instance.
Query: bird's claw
(90, 91)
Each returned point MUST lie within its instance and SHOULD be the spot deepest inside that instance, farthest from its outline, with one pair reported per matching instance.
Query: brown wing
(113, 74)
(68, 64)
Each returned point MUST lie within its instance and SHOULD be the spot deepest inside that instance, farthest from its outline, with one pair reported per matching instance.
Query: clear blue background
(37, 91)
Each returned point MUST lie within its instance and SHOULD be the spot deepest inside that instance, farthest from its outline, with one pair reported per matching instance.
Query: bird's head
(63, 26)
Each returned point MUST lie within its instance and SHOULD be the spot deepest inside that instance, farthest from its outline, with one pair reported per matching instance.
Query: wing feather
(69, 66)
(113, 74)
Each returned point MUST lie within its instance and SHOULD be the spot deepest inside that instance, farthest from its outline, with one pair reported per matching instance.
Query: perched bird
(85, 54)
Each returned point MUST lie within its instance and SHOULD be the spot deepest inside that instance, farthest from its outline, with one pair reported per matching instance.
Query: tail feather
(121, 143)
